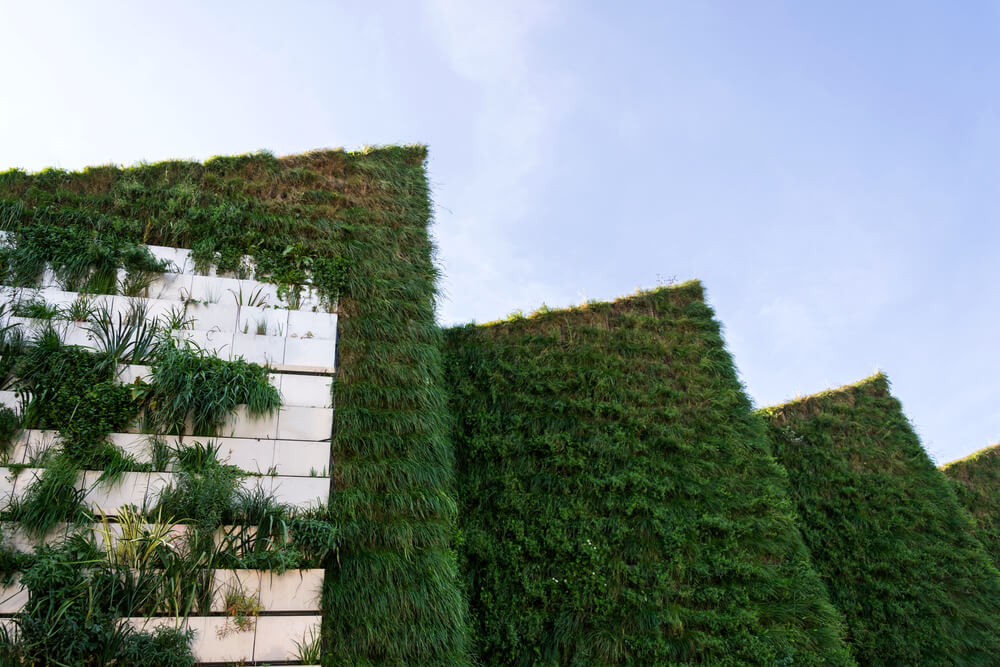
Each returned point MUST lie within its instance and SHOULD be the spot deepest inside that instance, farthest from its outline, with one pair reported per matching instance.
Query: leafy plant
(10, 427)
(81, 310)
(36, 309)
(242, 610)
(52, 498)
(188, 383)
(308, 651)
(128, 337)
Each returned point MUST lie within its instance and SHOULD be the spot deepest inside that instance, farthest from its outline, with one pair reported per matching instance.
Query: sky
(827, 169)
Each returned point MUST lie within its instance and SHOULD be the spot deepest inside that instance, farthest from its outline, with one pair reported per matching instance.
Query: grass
(618, 502)
(976, 480)
(896, 551)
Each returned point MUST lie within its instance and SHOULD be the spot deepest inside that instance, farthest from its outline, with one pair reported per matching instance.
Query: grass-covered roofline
(885, 530)
(356, 223)
(976, 479)
(618, 501)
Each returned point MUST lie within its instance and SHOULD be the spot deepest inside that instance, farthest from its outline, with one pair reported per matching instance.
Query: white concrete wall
(288, 453)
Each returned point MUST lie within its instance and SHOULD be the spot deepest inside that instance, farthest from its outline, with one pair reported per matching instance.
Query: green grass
(618, 500)
(976, 480)
(886, 532)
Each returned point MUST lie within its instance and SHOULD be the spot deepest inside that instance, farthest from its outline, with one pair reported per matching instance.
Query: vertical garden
(619, 503)
(349, 232)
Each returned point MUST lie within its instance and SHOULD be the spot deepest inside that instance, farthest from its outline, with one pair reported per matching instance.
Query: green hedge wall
(976, 480)
(886, 532)
(357, 223)
(618, 500)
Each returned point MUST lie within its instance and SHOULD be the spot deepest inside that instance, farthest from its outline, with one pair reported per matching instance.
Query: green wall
(618, 500)
(886, 532)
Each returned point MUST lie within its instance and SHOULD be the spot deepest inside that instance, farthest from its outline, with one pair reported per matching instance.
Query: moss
(618, 500)
(885, 530)
(976, 480)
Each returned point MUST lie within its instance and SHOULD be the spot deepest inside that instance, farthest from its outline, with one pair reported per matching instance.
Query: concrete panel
(299, 423)
(298, 458)
(311, 391)
(307, 324)
(295, 590)
(301, 491)
(263, 350)
(276, 635)
(310, 354)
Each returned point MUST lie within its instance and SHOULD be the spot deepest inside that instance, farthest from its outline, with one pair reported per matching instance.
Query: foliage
(392, 596)
(618, 500)
(356, 225)
(35, 309)
(188, 383)
(976, 480)
(82, 257)
(885, 530)
(10, 426)
(164, 646)
(52, 498)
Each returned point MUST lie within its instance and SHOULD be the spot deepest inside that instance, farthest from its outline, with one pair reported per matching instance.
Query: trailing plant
(309, 650)
(242, 610)
(186, 383)
(36, 309)
(82, 258)
(897, 552)
(10, 427)
(52, 498)
(163, 646)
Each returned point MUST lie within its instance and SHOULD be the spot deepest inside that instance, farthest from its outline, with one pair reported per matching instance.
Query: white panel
(180, 257)
(157, 482)
(13, 597)
(239, 424)
(247, 454)
(275, 319)
(301, 491)
(298, 423)
(208, 645)
(9, 399)
(276, 635)
(32, 443)
(172, 286)
(8, 483)
(307, 324)
(209, 289)
(127, 374)
(264, 350)
(218, 316)
(223, 581)
(311, 391)
(21, 482)
(301, 458)
(309, 354)
(217, 343)
(77, 334)
(110, 498)
(295, 590)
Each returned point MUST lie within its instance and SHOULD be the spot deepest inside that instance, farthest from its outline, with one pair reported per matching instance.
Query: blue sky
(827, 169)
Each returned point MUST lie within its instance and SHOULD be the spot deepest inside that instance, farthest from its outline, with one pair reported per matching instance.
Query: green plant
(137, 541)
(885, 530)
(976, 480)
(10, 427)
(618, 500)
(52, 498)
(36, 309)
(242, 610)
(308, 651)
(188, 383)
(164, 646)
(129, 337)
(176, 318)
(81, 310)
